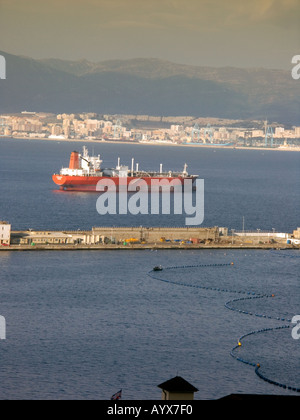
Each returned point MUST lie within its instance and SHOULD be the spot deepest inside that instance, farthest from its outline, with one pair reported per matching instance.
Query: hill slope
(148, 86)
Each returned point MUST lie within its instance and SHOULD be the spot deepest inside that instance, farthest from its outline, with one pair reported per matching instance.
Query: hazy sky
(243, 33)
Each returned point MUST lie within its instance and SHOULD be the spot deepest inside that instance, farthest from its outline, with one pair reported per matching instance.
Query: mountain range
(148, 86)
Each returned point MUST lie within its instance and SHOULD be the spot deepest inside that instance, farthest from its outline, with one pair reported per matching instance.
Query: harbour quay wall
(154, 234)
(147, 237)
(115, 235)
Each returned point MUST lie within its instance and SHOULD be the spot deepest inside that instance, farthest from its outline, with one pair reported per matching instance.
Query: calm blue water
(261, 186)
(84, 324)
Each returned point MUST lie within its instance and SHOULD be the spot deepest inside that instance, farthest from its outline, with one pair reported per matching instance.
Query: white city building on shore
(5, 229)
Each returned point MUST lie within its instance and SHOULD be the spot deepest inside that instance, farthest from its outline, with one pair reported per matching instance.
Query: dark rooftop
(177, 384)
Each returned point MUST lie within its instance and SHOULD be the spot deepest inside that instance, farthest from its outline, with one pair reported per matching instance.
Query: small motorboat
(158, 268)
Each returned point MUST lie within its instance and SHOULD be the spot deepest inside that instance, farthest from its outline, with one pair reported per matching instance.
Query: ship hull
(89, 183)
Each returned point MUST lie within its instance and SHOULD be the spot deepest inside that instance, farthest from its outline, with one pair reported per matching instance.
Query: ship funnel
(74, 161)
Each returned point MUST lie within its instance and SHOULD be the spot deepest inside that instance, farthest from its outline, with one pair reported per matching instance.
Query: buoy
(273, 295)
(232, 263)
(240, 343)
(258, 365)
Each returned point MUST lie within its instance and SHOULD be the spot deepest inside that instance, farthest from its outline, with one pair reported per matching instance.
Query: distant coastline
(153, 143)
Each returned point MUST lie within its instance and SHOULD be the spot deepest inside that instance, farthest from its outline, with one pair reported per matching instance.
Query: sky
(238, 33)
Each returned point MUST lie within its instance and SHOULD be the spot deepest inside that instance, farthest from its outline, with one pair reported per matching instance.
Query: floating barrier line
(229, 305)
(197, 286)
(232, 308)
(257, 365)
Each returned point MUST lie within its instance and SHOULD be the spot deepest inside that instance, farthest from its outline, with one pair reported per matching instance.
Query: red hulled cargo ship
(84, 173)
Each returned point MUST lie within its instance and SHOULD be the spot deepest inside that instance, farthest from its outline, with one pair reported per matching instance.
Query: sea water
(85, 324)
